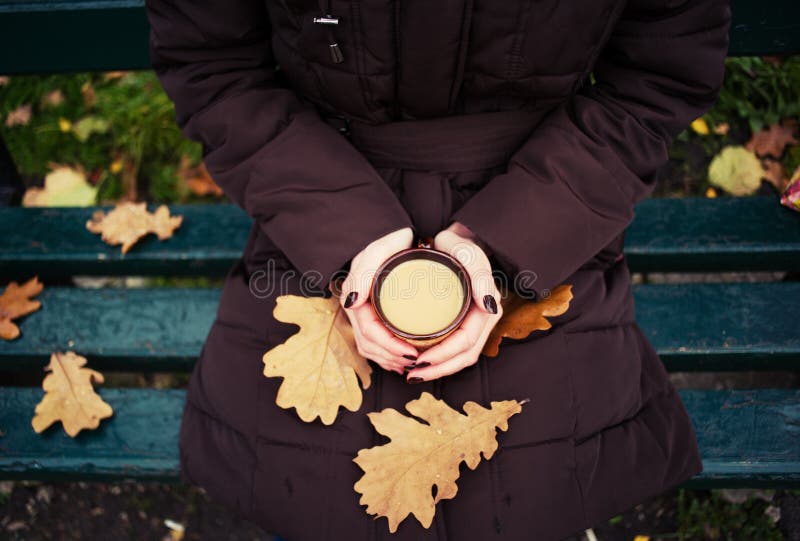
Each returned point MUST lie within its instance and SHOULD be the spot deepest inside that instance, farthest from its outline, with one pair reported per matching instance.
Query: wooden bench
(747, 437)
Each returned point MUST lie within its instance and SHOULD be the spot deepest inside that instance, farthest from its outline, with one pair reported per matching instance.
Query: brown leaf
(197, 179)
(320, 365)
(19, 116)
(4, 79)
(114, 75)
(53, 98)
(69, 396)
(89, 96)
(128, 222)
(400, 475)
(722, 129)
(522, 316)
(16, 302)
(774, 173)
(772, 141)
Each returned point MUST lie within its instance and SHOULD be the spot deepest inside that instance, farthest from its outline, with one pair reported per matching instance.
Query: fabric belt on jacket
(463, 142)
(455, 143)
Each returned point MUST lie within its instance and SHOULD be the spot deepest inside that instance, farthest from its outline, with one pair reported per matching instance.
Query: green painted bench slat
(693, 326)
(55, 243)
(702, 234)
(137, 329)
(82, 35)
(141, 439)
(694, 234)
(746, 437)
(52, 36)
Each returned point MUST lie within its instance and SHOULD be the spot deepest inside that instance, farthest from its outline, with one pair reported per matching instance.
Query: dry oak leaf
(772, 141)
(400, 475)
(320, 364)
(128, 222)
(197, 179)
(69, 396)
(16, 302)
(521, 317)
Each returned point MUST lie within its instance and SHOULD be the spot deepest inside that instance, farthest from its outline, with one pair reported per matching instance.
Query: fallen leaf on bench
(320, 365)
(523, 316)
(16, 302)
(69, 396)
(400, 475)
(63, 187)
(128, 222)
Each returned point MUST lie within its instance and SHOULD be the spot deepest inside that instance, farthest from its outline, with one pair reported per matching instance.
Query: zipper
(328, 21)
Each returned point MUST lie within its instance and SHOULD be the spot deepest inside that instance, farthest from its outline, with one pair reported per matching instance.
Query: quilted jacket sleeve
(313, 194)
(571, 187)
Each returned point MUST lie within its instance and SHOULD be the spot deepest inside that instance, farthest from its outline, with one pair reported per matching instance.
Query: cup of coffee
(421, 295)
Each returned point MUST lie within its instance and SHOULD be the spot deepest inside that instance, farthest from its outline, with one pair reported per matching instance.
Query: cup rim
(429, 254)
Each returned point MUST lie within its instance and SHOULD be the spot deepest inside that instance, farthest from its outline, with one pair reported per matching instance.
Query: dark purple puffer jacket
(536, 123)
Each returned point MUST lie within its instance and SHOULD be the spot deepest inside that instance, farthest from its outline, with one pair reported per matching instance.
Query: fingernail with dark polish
(489, 303)
(410, 357)
(351, 298)
(415, 380)
(423, 364)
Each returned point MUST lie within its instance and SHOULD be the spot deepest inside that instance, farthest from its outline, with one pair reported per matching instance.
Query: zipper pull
(336, 53)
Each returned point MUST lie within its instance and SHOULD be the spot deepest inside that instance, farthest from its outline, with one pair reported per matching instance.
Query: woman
(521, 133)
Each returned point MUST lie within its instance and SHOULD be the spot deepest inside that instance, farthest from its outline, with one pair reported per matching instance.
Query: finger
(373, 330)
(484, 291)
(446, 368)
(464, 338)
(355, 288)
(387, 365)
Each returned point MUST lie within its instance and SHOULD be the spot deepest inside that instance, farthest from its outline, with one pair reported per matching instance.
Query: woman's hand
(373, 340)
(464, 345)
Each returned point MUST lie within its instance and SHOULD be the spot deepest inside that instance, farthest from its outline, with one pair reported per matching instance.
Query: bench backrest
(97, 35)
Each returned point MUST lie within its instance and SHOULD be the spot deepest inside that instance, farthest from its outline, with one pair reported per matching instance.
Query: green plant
(758, 91)
(120, 127)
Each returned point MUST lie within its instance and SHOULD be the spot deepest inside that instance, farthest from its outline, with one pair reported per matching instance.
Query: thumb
(356, 287)
(484, 291)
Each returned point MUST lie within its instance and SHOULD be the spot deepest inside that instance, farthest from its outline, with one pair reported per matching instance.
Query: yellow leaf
(16, 302)
(63, 187)
(69, 396)
(115, 167)
(522, 316)
(318, 364)
(400, 475)
(129, 222)
(64, 124)
(700, 126)
(711, 193)
(642, 538)
(736, 170)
